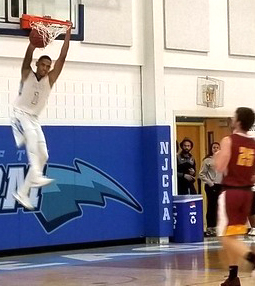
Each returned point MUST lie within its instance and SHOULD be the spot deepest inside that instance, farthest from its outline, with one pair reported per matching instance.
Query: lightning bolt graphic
(82, 184)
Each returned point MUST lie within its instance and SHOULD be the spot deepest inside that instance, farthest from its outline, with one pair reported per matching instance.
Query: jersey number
(35, 98)
(245, 157)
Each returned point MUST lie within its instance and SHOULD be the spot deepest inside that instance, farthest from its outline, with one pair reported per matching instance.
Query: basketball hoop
(210, 92)
(49, 29)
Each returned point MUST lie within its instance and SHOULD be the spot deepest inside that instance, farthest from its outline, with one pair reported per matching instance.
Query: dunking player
(237, 160)
(35, 88)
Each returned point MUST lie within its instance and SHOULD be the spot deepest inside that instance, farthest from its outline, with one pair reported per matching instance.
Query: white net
(49, 32)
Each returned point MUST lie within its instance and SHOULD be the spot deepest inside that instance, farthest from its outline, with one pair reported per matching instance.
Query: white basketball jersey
(33, 94)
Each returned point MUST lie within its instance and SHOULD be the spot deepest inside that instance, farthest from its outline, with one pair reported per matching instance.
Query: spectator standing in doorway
(252, 216)
(186, 168)
(212, 180)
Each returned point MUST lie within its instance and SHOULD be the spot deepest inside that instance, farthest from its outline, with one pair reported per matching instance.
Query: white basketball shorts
(21, 122)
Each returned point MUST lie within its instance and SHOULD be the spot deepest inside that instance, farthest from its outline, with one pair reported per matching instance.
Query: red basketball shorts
(234, 207)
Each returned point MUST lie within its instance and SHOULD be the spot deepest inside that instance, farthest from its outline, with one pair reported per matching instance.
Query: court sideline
(191, 264)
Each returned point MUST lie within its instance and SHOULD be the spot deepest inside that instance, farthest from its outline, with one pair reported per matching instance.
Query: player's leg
(21, 126)
(33, 153)
(216, 193)
(222, 225)
(252, 218)
(43, 152)
(38, 155)
(34, 176)
(23, 193)
(17, 131)
(252, 223)
(209, 213)
(230, 244)
(234, 207)
(42, 148)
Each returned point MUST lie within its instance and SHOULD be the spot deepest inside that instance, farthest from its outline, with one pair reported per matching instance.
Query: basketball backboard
(12, 10)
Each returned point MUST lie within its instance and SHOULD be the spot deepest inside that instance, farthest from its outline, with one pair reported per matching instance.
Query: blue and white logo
(61, 202)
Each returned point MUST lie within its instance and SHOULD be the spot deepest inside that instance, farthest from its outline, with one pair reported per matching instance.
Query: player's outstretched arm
(26, 65)
(54, 74)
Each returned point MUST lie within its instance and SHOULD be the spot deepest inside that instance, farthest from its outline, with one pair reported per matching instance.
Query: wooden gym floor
(195, 264)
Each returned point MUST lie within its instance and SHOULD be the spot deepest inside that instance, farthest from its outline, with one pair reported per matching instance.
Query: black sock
(233, 270)
(251, 258)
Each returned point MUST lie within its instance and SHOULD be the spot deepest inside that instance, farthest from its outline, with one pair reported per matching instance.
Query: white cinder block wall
(85, 94)
(99, 85)
(97, 95)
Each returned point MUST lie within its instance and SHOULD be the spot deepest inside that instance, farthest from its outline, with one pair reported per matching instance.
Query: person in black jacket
(186, 168)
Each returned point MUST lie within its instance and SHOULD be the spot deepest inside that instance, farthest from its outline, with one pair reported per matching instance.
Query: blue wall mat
(98, 193)
(157, 179)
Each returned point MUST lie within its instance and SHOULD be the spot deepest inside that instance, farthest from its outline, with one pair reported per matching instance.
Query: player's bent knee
(44, 156)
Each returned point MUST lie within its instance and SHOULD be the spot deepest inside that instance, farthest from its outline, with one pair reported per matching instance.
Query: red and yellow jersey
(241, 166)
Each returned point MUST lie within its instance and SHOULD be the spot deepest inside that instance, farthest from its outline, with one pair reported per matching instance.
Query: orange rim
(26, 20)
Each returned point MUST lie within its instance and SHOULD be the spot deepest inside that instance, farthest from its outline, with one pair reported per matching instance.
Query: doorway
(202, 132)
(195, 131)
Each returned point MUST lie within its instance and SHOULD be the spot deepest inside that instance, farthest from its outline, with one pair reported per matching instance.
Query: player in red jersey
(237, 160)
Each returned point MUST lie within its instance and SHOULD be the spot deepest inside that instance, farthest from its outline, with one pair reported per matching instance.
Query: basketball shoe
(234, 282)
(252, 232)
(41, 181)
(23, 200)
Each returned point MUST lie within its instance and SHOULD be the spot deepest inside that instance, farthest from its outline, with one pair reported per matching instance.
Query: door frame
(202, 143)
(210, 113)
